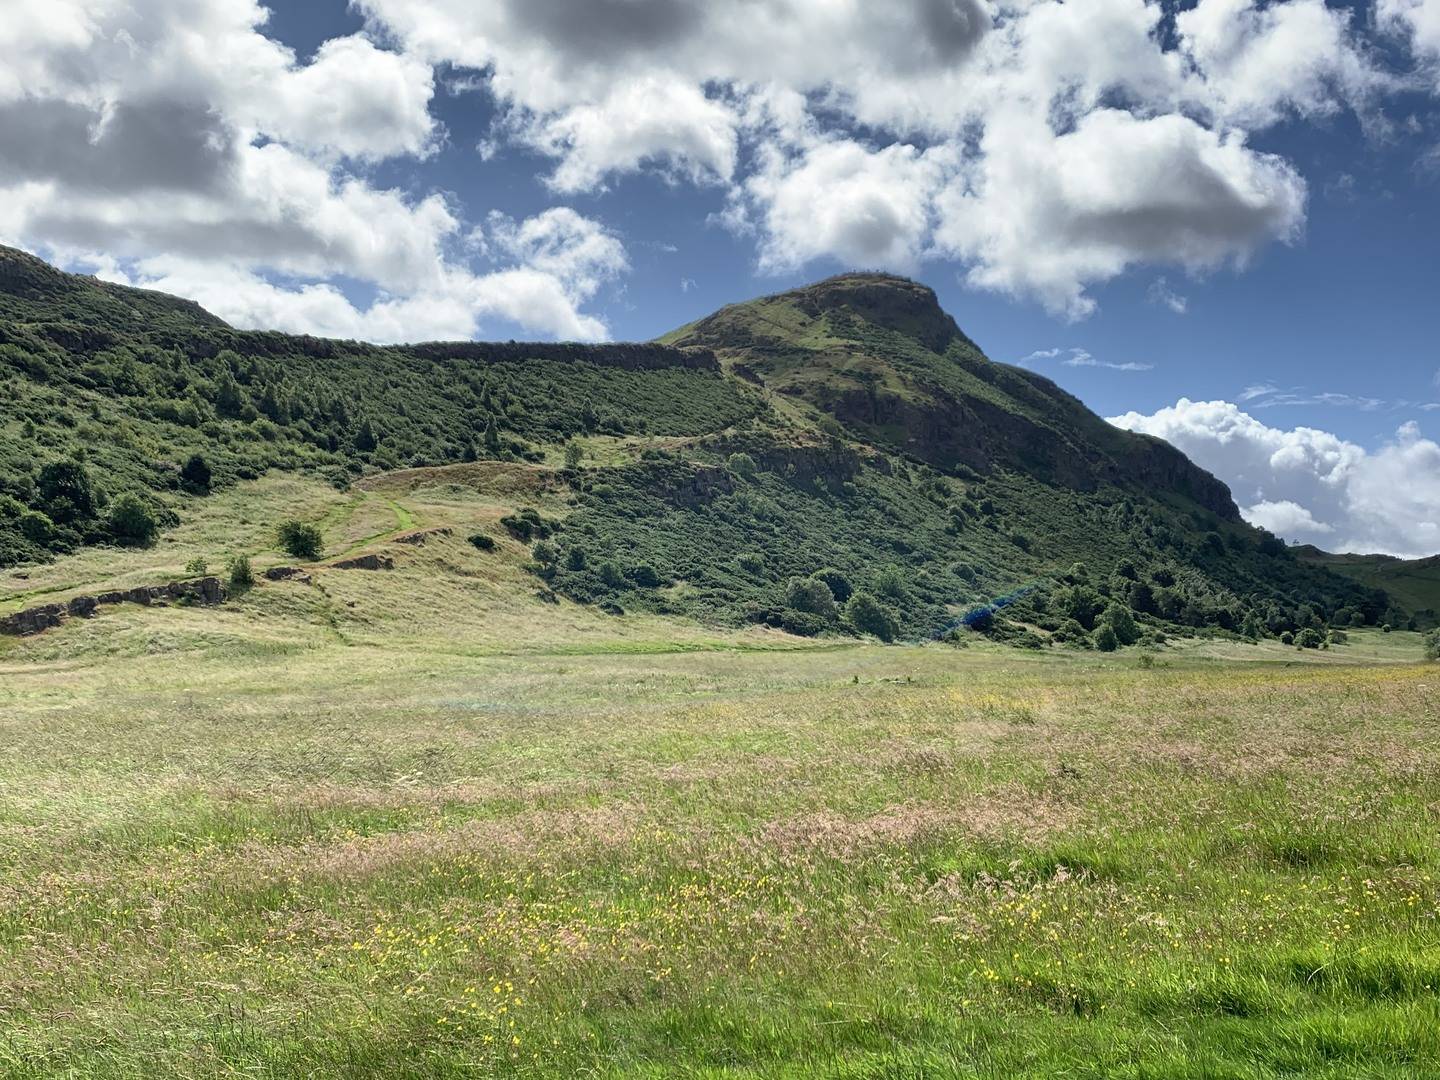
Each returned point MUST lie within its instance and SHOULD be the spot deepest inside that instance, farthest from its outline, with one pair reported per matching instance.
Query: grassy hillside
(847, 429)
(1412, 584)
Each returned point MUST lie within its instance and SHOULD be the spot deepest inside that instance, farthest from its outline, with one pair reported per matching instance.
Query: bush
(241, 575)
(36, 527)
(1287, 638)
(131, 522)
(1105, 639)
(810, 595)
(751, 563)
(1338, 637)
(1309, 638)
(644, 575)
(300, 539)
(481, 542)
(66, 492)
(1432, 645)
(527, 524)
(197, 566)
(1118, 618)
(868, 616)
(741, 464)
(544, 553)
(195, 475)
(576, 559)
(610, 574)
(802, 623)
(574, 454)
(839, 584)
(891, 583)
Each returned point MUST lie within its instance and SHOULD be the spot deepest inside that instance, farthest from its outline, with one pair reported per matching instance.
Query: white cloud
(202, 157)
(1309, 485)
(1161, 293)
(1419, 22)
(870, 209)
(1045, 214)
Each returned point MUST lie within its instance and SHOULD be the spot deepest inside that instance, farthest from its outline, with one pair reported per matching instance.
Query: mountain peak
(885, 300)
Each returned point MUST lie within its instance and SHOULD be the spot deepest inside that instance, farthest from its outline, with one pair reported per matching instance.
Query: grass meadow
(420, 824)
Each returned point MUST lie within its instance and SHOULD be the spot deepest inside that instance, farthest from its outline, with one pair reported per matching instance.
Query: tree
(1118, 618)
(300, 539)
(1309, 638)
(741, 464)
(1432, 645)
(241, 575)
(365, 438)
(492, 435)
(1105, 639)
(229, 399)
(574, 454)
(810, 595)
(195, 474)
(891, 583)
(868, 616)
(131, 522)
(66, 493)
(1078, 602)
(839, 584)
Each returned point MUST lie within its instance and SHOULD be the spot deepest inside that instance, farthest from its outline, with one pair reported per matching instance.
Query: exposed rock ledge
(206, 590)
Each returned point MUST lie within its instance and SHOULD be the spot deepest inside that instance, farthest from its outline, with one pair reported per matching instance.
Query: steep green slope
(849, 427)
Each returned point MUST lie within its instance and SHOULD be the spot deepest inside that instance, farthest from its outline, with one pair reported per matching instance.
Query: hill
(848, 430)
(1413, 585)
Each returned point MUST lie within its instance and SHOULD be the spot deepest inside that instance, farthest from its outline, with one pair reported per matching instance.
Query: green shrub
(36, 527)
(741, 464)
(66, 492)
(644, 575)
(1309, 638)
(802, 623)
(1105, 639)
(868, 616)
(750, 562)
(891, 583)
(197, 566)
(810, 595)
(481, 542)
(195, 474)
(1432, 645)
(1287, 638)
(840, 587)
(241, 576)
(1118, 618)
(131, 522)
(610, 574)
(576, 558)
(545, 553)
(574, 455)
(1338, 637)
(527, 524)
(300, 539)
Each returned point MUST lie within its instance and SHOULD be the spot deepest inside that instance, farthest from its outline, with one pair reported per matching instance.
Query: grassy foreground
(301, 857)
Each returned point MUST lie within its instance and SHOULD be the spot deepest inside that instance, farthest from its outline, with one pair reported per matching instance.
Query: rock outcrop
(206, 591)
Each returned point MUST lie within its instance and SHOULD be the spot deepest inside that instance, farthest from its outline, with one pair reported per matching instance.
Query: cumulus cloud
(1048, 146)
(203, 157)
(1309, 485)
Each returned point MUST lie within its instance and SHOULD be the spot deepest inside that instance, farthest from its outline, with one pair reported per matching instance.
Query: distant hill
(848, 429)
(1412, 584)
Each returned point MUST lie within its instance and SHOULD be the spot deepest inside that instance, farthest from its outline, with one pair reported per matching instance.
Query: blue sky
(1213, 221)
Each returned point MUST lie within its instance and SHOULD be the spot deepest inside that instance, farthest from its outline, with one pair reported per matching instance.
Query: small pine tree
(240, 574)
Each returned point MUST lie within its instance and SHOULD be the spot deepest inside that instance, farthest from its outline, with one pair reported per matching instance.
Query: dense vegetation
(850, 463)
